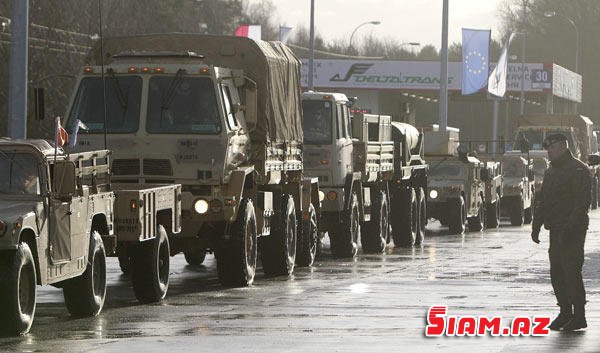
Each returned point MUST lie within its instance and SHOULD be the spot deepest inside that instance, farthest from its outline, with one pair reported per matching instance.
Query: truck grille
(126, 167)
(157, 167)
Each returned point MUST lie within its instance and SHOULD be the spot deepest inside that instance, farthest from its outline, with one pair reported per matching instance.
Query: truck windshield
(446, 170)
(535, 138)
(123, 95)
(317, 121)
(182, 105)
(19, 174)
(512, 168)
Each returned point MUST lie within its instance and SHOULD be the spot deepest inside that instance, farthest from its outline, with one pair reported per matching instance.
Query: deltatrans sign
(413, 75)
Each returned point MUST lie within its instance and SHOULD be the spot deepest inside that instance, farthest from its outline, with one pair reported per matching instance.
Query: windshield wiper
(169, 95)
(120, 95)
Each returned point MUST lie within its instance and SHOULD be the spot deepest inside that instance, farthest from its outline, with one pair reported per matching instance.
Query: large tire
(278, 250)
(150, 276)
(124, 256)
(421, 217)
(404, 225)
(594, 204)
(308, 240)
(457, 215)
(517, 214)
(344, 239)
(17, 292)
(195, 257)
(374, 237)
(476, 223)
(236, 257)
(492, 215)
(85, 295)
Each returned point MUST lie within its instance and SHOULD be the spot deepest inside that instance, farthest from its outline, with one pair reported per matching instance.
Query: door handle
(69, 213)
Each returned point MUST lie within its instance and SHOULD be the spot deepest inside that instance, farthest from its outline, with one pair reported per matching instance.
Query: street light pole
(444, 70)
(357, 27)
(523, 46)
(17, 91)
(311, 59)
(553, 14)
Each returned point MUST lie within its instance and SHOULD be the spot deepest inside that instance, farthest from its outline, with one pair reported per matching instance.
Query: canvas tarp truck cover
(582, 124)
(272, 65)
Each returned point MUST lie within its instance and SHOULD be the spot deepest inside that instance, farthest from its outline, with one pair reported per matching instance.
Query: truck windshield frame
(123, 95)
(19, 174)
(191, 107)
(317, 121)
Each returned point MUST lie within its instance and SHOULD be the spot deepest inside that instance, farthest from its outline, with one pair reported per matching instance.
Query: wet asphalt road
(373, 303)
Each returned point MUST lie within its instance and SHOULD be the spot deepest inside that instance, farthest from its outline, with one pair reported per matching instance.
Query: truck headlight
(321, 196)
(201, 206)
(3, 228)
(433, 194)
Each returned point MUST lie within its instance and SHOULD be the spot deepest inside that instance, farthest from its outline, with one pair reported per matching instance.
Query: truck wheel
(17, 292)
(373, 239)
(278, 250)
(236, 257)
(308, 241)
(422, 217)
(476, 223)
(84, 295)
(344, 238)
(124, 256)
(458, 214)
(404, 226)
(517, 214)
(150, 275)
(492, 215)
(195, 257)
(594, 203)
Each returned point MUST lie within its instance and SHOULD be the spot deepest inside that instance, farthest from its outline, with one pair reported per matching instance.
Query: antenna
(102, 74)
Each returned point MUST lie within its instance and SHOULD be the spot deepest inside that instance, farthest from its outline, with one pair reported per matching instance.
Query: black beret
(553, 138)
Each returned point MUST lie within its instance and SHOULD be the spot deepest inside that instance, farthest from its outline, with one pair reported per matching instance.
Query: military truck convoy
(368, 168)
(222, 117)
(60, 216)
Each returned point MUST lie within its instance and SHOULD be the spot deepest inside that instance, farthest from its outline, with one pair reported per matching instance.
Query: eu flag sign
(475, 59)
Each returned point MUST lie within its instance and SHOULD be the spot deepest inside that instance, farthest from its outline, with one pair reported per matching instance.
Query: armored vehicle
(494, 188)
(354, 163)
(519, 188)
(220, 115)
(60, 218)
(456, 188)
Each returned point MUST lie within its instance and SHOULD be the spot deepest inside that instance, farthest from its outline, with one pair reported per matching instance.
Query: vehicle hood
(11, 210)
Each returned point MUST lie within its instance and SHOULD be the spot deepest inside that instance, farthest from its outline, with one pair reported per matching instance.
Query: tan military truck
(220, 115)
(353, 160)
(583, 142)
(494, 189)
(519, 188)
(456, 189)
(59, 219)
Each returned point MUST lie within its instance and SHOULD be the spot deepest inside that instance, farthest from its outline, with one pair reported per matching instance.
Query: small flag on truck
(61, 137)
(250, 31)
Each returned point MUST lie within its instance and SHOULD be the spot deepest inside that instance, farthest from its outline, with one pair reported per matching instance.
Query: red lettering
(492, 325)
(521, 326)
(541, 326)
(451, 327)
(466, 325)
(436, 321)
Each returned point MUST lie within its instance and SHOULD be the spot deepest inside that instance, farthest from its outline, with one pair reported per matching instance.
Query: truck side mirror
(63, 179)
(593, 159)
(39, 104)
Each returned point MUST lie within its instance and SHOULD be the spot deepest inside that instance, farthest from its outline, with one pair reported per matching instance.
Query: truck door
(60, 231)
(344, 139)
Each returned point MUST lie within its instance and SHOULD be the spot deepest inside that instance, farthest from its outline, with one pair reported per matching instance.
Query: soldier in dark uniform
(562, 208)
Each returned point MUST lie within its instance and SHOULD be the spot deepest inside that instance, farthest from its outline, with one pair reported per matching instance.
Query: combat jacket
(565, 196)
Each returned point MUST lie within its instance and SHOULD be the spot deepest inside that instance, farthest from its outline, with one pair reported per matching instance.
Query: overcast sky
(404, 20)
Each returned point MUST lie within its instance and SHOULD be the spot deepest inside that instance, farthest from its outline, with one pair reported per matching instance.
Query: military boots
(578, 321)
(564, 317)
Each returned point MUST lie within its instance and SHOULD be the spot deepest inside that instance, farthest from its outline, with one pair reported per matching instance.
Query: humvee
(519, 188)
